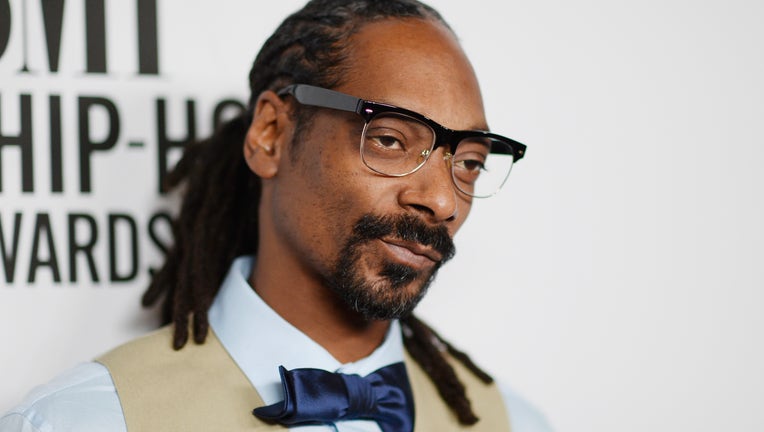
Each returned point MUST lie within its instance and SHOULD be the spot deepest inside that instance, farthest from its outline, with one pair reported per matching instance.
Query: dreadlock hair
(215, 225)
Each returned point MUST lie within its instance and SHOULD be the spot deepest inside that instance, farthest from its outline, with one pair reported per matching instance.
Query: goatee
(386, 297)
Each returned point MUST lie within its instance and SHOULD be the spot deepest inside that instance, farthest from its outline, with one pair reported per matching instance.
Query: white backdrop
(617, 283)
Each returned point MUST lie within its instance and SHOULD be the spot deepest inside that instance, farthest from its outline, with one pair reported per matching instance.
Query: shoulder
(82, 399)
(523, 416)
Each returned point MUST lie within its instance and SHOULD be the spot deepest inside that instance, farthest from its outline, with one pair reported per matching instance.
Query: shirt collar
(259, 340)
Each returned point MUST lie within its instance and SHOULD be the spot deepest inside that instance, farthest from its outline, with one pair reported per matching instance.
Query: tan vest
(200, 388)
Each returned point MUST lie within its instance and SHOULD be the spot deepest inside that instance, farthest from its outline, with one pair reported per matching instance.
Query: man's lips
(416, 251)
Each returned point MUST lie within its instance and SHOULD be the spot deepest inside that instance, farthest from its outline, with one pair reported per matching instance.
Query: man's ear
(268, 134)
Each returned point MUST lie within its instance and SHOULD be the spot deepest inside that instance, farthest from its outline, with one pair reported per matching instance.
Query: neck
(316, 311)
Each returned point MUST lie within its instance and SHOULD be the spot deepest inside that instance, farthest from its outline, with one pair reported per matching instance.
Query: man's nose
(431, 189)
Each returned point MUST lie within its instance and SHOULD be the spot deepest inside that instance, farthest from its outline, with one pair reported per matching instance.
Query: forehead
(415, 64)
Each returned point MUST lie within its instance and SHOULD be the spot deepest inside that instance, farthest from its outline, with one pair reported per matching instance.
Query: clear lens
(481, 165)
(395, 144)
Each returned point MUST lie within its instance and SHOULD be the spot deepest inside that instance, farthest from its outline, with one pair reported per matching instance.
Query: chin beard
(391, 295)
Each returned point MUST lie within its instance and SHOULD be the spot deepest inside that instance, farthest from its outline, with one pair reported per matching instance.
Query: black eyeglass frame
(321, 97)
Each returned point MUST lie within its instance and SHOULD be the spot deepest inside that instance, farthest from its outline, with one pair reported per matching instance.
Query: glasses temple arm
(321, 97)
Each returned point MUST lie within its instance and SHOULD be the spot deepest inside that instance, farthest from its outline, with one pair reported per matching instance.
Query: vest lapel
(198, 388)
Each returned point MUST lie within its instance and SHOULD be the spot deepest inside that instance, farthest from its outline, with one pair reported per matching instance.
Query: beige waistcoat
(200, 388)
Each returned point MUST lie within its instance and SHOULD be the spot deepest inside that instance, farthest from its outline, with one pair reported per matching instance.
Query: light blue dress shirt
(257, 338)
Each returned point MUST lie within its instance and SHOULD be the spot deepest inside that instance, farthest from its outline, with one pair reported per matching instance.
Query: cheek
(316, 202)
(334, 177)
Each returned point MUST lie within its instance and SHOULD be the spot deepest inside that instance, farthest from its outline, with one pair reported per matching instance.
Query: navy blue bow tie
(316, 396)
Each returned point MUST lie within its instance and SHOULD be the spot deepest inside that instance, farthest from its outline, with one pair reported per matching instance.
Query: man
(347, 238)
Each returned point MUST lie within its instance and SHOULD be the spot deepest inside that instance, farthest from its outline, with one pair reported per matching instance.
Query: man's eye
(470, 165)
(388, 142)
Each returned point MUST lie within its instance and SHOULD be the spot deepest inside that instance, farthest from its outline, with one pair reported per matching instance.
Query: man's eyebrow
(481, 127)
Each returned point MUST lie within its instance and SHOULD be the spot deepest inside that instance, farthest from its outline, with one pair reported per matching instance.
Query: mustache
(406, 227)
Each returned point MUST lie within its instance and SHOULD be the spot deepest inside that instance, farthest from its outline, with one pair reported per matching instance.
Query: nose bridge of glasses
(445, 138)
(435, 170)
(437, 136)
(438, 177)
(426, 153)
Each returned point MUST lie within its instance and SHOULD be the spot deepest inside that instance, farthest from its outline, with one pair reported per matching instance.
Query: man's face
(377, 241)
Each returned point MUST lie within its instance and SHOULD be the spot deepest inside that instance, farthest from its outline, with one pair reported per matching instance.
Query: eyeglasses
(397, 142)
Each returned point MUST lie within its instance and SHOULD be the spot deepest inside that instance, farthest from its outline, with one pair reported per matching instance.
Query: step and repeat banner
(85, 143)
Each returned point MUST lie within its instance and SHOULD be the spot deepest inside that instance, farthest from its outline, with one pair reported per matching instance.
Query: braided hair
(215, 226)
